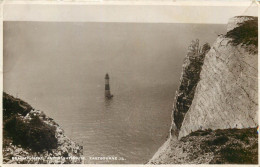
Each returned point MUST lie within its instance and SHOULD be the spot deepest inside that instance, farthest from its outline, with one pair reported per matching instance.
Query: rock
(226, 95)
(219, 91)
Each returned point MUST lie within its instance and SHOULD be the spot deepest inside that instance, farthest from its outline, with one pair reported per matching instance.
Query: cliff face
(216, 92)
(189, 79)
(30, 137)
(223, 93)
(226, 95)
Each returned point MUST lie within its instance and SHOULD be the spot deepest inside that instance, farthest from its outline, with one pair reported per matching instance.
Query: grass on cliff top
(229, 146)
(34, 134)
(246, 33)
(14, 106)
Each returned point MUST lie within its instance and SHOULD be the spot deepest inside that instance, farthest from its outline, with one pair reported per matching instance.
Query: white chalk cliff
(226, 95)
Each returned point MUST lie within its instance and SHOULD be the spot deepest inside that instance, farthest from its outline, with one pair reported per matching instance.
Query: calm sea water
(59, 68)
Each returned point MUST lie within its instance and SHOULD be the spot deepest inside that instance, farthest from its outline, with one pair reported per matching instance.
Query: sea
(60, 67)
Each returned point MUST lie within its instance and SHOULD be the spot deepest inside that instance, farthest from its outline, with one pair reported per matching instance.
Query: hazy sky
(107, 11)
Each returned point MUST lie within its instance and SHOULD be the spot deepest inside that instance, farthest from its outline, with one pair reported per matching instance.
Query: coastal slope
(31, 137)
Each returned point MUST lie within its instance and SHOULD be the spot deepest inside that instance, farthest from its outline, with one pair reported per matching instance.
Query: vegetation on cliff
(229, 146)
(246, 34)
(33, 134)
(222, 146)
(14, 106)
(29, 133)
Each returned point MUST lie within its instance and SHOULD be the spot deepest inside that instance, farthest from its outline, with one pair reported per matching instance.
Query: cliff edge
(217, 101)
(30, 137)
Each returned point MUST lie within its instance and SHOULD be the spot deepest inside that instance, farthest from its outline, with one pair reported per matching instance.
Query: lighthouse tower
(107, 87)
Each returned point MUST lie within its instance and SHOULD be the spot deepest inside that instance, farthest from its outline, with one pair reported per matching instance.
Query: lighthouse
(107, 87)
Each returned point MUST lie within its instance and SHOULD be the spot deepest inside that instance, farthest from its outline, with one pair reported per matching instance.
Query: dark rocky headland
(215, 109)
(30, 137)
